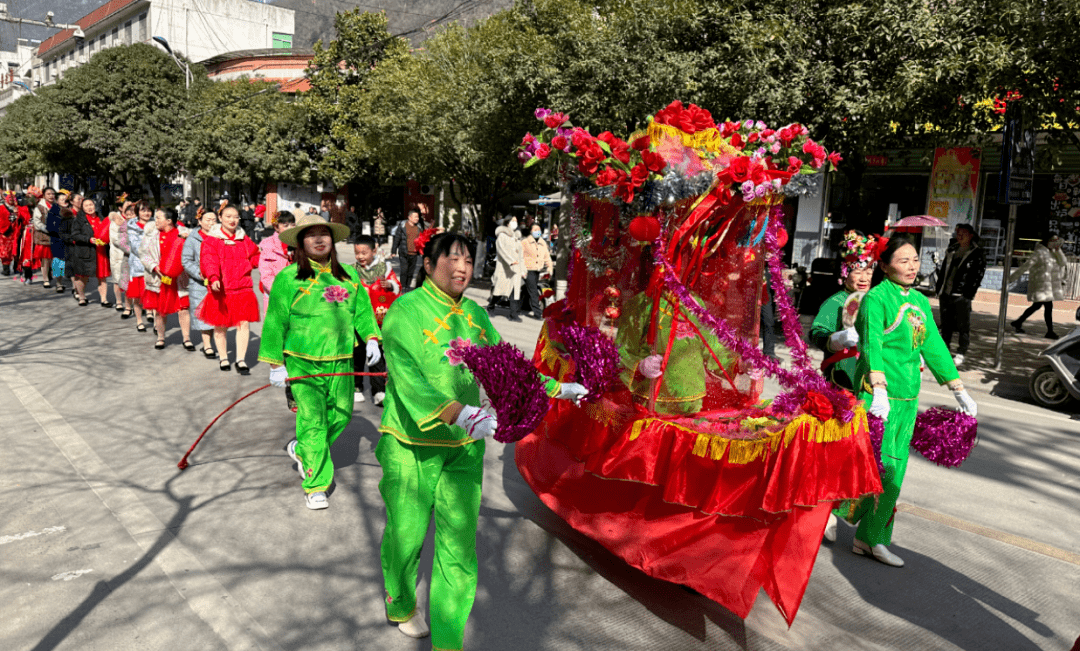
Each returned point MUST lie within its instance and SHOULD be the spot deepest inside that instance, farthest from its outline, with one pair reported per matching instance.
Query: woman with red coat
(160, 255)
(9, 231)
(227, 258)
(31, 252)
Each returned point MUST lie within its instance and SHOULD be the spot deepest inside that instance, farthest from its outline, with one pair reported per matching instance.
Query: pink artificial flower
(650, 366)
(541, 113)
(335, 294)
(455, 350)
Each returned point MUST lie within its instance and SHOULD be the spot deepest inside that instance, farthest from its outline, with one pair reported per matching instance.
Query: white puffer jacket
(1046, 274)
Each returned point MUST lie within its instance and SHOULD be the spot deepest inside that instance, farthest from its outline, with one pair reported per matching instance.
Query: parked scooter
(1056, 385)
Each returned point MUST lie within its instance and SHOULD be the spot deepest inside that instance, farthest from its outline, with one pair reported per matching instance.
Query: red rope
(184, 461)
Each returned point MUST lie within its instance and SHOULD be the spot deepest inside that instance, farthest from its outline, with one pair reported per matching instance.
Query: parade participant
(166, 280)
(537, 257)
(137, 284)
(382, 287)
(100, 239)
(58, 226)
(42, 241)
(961, 274)
(432, 445)
(83, 257)
(895, 328)
(118, 257)
(30, 251)
(190, 258)
(828, 332)
(9, 231)
(1046, 282)
(228, 255)
(316, 305)
(274, 255)
(509, 268)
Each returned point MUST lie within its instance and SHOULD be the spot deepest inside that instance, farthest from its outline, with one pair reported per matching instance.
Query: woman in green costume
(432, 445)
(314, 308)
(895, 326)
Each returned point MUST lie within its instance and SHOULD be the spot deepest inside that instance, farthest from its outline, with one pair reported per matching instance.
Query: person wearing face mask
(895, 327)
(433, 440)
(318, 309)
(537, 258)
(509, 268)
(828, 332)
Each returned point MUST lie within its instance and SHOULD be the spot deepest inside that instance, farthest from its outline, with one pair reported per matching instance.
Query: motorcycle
(1056, 385)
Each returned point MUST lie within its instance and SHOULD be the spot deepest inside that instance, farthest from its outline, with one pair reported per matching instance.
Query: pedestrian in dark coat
(81, 254)
(54, 226)
(959, 280)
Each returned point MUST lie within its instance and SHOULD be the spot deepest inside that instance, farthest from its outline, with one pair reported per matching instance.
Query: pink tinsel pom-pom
(512, 384)
(945, 436)
(877, 434)
(596, 359)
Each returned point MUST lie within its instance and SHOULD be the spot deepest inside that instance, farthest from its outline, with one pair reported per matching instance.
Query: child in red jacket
(381, 283)
(227, 258)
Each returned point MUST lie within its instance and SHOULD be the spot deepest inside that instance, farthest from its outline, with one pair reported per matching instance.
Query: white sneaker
(317, 500)
(880, 552)
(378, 398)
(291, 450)
(830, 529)
(416, 626)
(358, 396)
(958, 359)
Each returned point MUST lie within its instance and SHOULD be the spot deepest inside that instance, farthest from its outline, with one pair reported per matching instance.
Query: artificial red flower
(639, 174)
(590, 155)
(560, 143)
(607, 176)
(736, 140)
(641, 144)
(818, 406)
(621, 151)
(555, 120)
(794, 164)
(543, 151)
(653, 161)
(580, 137)
(786, 135)
(835, 158)
(739, 169)
(752, 138)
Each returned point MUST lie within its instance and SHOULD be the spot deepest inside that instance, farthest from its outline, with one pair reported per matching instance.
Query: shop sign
(1017, 178)
(876, 160)
(1065, 210)
(954, 185)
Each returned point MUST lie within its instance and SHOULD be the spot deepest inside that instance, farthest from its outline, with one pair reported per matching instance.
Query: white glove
(843, 339)
(967, 405)
(479, 423)
(278, 376)
(879, 406)
(572, 391)
(373, 352)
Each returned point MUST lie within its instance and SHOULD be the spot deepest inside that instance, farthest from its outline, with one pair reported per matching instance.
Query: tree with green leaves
(247, 133)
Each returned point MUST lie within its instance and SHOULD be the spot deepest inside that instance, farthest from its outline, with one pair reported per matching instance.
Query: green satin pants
(417, 480)
(875, 516)
(324, 409)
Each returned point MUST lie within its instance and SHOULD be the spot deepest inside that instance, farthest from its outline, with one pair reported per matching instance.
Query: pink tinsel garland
(789, 318)
(512, 384)
(945, 436)
(799, 383)
(596, 359)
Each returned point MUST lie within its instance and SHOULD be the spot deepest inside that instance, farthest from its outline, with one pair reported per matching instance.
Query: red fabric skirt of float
(169, 301)
(225, 310)
(136, 287)
(724, 512)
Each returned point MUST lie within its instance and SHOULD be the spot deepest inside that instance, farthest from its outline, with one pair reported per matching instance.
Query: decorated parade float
(674, 462)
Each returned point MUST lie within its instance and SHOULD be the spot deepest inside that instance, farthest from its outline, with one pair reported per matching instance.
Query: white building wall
(810, 225)
(200, 29)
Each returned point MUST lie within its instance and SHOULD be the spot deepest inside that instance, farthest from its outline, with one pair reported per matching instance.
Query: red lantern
(781, 237)
(645, 228)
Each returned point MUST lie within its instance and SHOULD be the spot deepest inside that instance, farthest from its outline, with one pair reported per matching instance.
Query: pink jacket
(272, 259)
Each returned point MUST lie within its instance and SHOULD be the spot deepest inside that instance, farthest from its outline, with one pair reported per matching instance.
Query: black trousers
(956, 317)
(768, 328)
(410, 264)
(532, 279)
(359, 359)
(1048, 314)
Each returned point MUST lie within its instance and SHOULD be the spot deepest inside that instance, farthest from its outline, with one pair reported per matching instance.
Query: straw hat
(337, 231)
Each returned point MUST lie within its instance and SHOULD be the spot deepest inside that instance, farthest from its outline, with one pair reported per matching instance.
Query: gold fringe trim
(708, 140)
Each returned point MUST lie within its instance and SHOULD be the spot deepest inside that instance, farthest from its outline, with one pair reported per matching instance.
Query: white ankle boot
(830, 529)
(880, 552)
(416, 626)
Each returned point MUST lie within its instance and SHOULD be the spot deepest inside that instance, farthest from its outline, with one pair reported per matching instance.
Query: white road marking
(1041, 413)
(205, 595)
(67, 576)
(30, 534)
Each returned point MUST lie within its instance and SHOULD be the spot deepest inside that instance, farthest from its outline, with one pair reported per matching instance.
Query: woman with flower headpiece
(316, 306)
(895, 328)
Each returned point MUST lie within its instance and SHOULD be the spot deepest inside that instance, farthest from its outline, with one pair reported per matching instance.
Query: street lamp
(160, 40)
(22, 84)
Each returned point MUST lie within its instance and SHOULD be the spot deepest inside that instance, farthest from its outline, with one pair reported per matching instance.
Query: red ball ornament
(645, 228)
(781, 237)
(612, 292)
(612, 312)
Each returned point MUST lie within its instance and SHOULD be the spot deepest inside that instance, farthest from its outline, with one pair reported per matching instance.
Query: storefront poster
(954, 185)
(1065, 211)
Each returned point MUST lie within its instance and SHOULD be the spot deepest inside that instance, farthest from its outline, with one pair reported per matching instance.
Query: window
(141, 32)
(115, 36)
(127, 33)
(282, 41)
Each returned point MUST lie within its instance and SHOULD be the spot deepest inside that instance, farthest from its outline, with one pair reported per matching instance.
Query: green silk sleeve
(423, 401)
(825, 324)
(936, 353)
(870, 324)
(276, 325)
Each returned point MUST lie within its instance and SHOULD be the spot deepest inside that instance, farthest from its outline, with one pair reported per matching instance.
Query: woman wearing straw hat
(315, 306)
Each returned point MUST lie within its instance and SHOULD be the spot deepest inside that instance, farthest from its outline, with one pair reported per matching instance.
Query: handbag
(42, 239)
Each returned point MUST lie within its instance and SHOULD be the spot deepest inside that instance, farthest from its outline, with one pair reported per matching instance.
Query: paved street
(105, 545)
